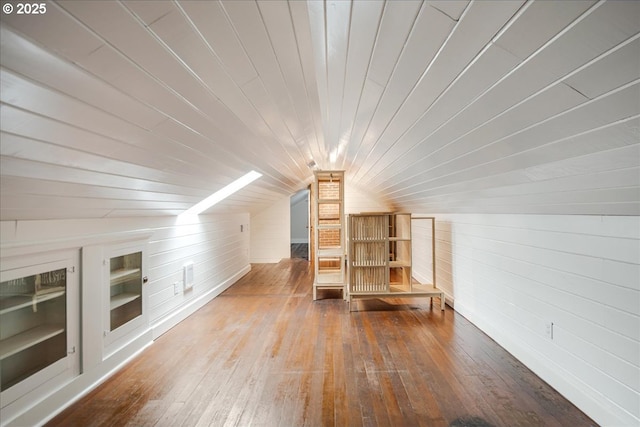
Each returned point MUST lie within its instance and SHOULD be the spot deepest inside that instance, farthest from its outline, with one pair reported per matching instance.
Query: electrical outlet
(549, 330)
(176, 288)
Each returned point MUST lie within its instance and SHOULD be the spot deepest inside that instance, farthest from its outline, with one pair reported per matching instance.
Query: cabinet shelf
(122, 299)
(125, 287)
(122, 275)
(380, 255)
(38, 309)
(28, 338)
(333, 226)
(330, 252)
(335, 277)
(399, 263)
(328, 248)
(17, 302)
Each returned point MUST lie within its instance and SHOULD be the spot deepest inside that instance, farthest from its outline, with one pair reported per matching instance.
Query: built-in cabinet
(380, 258)
(123, 284)
(39, 323)
(43, 314)
(328, 228)
(125, 289)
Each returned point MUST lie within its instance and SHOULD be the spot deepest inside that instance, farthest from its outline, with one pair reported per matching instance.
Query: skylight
(222, 194)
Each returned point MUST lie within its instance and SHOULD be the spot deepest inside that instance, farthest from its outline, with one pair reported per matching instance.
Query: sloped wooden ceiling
(129, 108)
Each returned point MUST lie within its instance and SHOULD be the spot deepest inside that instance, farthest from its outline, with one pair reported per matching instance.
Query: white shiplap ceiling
(130, 108)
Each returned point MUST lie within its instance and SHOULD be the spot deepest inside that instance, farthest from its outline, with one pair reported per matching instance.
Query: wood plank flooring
(264, 354)
(300, 250)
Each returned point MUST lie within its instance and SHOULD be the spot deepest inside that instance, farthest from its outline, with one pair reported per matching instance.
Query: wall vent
(187, 271)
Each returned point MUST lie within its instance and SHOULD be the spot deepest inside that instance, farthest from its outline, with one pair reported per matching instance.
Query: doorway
(300, 225)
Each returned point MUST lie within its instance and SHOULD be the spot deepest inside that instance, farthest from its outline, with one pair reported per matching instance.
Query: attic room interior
(505, 135)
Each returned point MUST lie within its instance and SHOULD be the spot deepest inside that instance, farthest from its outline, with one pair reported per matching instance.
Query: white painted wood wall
(422, 251)
(514, 275)
(511, 275)
(270, 230)
(358, 199)
(214, 243)
(271, 233)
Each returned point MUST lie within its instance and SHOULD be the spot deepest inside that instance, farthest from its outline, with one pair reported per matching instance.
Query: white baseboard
(448, 299)
(44, 410)
(62, 397)
(266, 260)
(188, 309)
(588, 400)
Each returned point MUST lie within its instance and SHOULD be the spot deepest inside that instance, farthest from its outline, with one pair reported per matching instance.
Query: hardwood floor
(264, 354)
(300, 250)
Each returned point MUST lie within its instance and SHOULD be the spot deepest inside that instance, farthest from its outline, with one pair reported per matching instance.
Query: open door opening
(300, 225)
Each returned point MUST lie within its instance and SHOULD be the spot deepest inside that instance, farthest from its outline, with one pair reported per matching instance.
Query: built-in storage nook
(39, 309)
(125, 289)
(328, 223)
(124, 278)
(381, 259)
(71, 312)
(33, 332)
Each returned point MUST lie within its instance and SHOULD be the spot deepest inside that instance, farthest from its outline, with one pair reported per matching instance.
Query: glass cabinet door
(125, 282)
(124, 299)
(34, 328)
